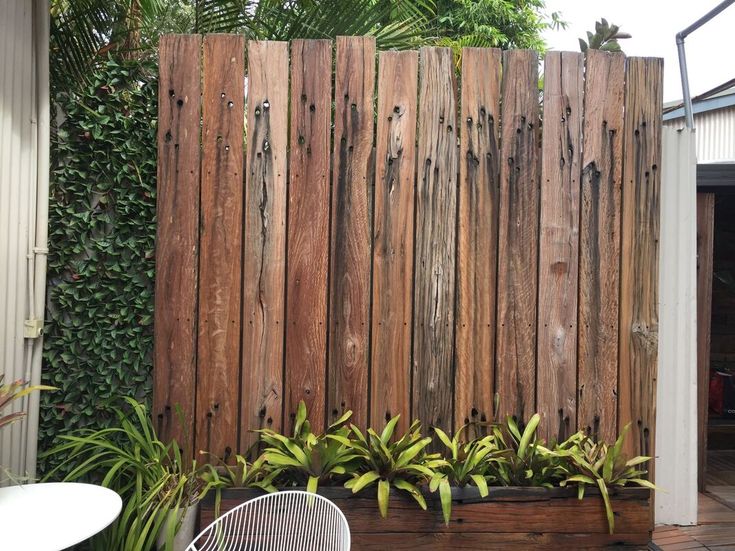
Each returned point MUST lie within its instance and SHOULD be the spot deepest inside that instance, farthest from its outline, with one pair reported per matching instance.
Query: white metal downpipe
(40, 246)
(680, 36)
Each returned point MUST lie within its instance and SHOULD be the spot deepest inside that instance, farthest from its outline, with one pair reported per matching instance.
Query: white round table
(54, 516)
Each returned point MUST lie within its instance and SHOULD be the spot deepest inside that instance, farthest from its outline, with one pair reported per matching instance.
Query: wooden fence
(377, 242)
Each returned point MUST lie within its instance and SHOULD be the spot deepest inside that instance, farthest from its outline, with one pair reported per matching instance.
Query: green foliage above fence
(99, 335)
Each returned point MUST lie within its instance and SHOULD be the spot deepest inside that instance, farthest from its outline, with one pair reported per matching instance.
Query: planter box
(509, 518)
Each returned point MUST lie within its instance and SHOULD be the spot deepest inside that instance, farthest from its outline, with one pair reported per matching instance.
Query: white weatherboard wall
(676, 400)
(24, 149)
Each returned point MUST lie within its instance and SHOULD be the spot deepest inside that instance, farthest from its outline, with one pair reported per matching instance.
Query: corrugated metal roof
(715, 132)
(711, 99)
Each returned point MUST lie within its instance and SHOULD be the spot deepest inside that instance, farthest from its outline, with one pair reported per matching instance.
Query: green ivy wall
(99, 332)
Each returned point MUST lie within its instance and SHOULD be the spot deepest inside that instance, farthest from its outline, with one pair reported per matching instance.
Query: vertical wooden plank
(264, 261)
(518, 236)
(436, 202)
(705, 244)
(599, 254)
(395, 159)
(477, 242)
(308, 229)
(349, 318)
(559, 244)
(177, 237)
(639, 256)
(221, 245)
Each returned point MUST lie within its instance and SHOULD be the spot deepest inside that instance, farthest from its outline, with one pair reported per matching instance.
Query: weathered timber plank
(434, 275)
(349, 299)
(518, 236)
(177, 237)
(477, 241)
(308, 229)
(495, 541)
(559, 244)
(639, 252)
(264, 260)
(221, 245)
(395, 159)
(705, 244)
(599, 247)
(567, 515)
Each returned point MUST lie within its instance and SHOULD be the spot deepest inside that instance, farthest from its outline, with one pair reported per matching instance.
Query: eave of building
(702, 106)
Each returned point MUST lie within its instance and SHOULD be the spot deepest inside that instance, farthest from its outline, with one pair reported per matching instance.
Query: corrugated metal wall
(23, 148)
(715, 135)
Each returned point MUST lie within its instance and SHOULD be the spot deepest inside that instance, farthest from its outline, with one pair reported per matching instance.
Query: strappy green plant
(307, 458)
(401, 464)
(599, 465)
(153, 479)
(467, 463)
(527, 461)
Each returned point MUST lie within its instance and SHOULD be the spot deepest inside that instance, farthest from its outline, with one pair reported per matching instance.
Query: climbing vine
(99, 338)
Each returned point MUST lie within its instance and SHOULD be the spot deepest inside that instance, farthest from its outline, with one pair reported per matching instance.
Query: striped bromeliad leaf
(600, 465)
(401, 464)
(310, 459)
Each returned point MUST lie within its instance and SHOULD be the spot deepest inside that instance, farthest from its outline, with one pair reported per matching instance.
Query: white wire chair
(281, 521)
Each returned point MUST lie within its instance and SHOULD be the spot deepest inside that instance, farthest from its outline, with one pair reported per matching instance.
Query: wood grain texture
(177, 237)
(534, 521)
(220, 266)
(264, 260)
(477, 241)
(495, 541)
(434, 272)
(349, 299)
(308, 229)
(518, 236)
(561, 144)
(639, 253)
(705, 244)
(424, 299)
(599, 254)
(395, 159)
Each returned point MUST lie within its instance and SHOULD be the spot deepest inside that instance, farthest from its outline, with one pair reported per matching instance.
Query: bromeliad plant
(402, 464)
(242, 474)
(599, 465)
(307, 458)
(466, 463)
(156, 482)
(527, 461)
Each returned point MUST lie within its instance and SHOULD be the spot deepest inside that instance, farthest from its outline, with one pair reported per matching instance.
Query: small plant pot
(185, 533)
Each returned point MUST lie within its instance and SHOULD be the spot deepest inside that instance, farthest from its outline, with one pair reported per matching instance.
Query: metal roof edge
(710, 104)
